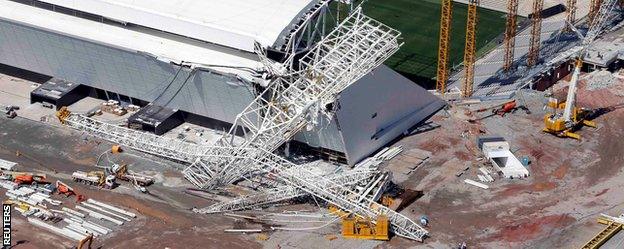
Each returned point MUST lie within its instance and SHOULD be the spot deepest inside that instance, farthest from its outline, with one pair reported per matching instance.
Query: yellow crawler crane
(356, 227)
(563, 124)
(573, 117)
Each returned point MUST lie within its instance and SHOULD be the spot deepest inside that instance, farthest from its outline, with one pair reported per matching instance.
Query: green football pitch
(419, 22)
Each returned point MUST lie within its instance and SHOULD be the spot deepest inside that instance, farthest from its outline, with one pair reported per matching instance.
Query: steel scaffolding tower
(443, 49)
(470, 49)
(536, 33)
(510, 34)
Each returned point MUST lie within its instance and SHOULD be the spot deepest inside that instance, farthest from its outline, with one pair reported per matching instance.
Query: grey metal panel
(325, 135)
(397, 102)
(130, 73)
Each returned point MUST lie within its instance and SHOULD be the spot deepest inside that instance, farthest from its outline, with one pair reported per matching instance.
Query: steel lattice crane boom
(510, 34)
(331, 189)
(357, 46)
(470, 49)
(562, 124)
(446, 17)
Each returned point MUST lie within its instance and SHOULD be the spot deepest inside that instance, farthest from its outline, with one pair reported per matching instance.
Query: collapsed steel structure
(293, 101)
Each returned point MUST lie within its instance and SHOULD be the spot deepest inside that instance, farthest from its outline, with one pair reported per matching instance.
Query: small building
(7, 165)
(496, 149)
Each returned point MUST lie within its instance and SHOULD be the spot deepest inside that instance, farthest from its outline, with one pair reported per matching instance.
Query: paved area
(491, 81)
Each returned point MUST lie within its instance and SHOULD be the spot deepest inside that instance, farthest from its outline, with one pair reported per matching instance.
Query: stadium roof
(232, 23)
(158, 45)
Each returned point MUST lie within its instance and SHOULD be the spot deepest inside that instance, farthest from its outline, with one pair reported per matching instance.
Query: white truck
(95, 178)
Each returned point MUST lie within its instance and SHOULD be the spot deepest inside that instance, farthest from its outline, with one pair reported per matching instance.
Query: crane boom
(562, 124)
(595, 29)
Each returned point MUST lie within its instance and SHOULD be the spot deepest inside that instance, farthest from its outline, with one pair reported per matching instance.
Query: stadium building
(199, 62)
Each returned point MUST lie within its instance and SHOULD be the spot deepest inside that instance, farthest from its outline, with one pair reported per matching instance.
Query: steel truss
(352, 50)
(357, 46)
(283, 193)
(328, 189)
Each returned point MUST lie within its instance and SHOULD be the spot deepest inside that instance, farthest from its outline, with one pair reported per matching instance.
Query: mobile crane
(573, 117)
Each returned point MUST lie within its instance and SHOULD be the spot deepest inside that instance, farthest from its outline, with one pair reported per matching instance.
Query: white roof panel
(232, 23)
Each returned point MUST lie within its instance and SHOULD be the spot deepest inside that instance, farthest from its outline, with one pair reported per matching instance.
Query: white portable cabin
(7, 165)
(497, 150)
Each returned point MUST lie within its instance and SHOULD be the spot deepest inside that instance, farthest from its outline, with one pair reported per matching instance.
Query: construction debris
(113, 107)
(78, 226)
(485, 177)
(477, 184)
(601, 79)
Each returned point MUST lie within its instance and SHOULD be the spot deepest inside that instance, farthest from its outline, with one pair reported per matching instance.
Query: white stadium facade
(201, 59)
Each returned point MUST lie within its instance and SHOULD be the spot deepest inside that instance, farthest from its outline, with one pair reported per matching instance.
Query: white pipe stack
(100, 216)
(94, 207)
(61, 231)
(116, 209)
(73, 212)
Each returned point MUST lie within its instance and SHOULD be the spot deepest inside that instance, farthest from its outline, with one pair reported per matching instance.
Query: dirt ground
(571, 181)
(165, 219)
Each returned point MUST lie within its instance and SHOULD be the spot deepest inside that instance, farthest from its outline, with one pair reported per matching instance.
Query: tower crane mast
(510, 34)
(446, 16)
(470, 49)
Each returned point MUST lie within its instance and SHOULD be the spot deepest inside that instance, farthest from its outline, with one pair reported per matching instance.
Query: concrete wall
(131, 73)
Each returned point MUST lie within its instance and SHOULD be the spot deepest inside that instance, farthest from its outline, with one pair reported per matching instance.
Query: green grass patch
(419, 21)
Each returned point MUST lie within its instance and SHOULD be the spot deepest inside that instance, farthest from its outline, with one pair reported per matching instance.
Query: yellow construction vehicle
(563, 124)
(86, 242)
(116, 149)
(573, 117)
(355, 227)
(20, 205)
(62, 114)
